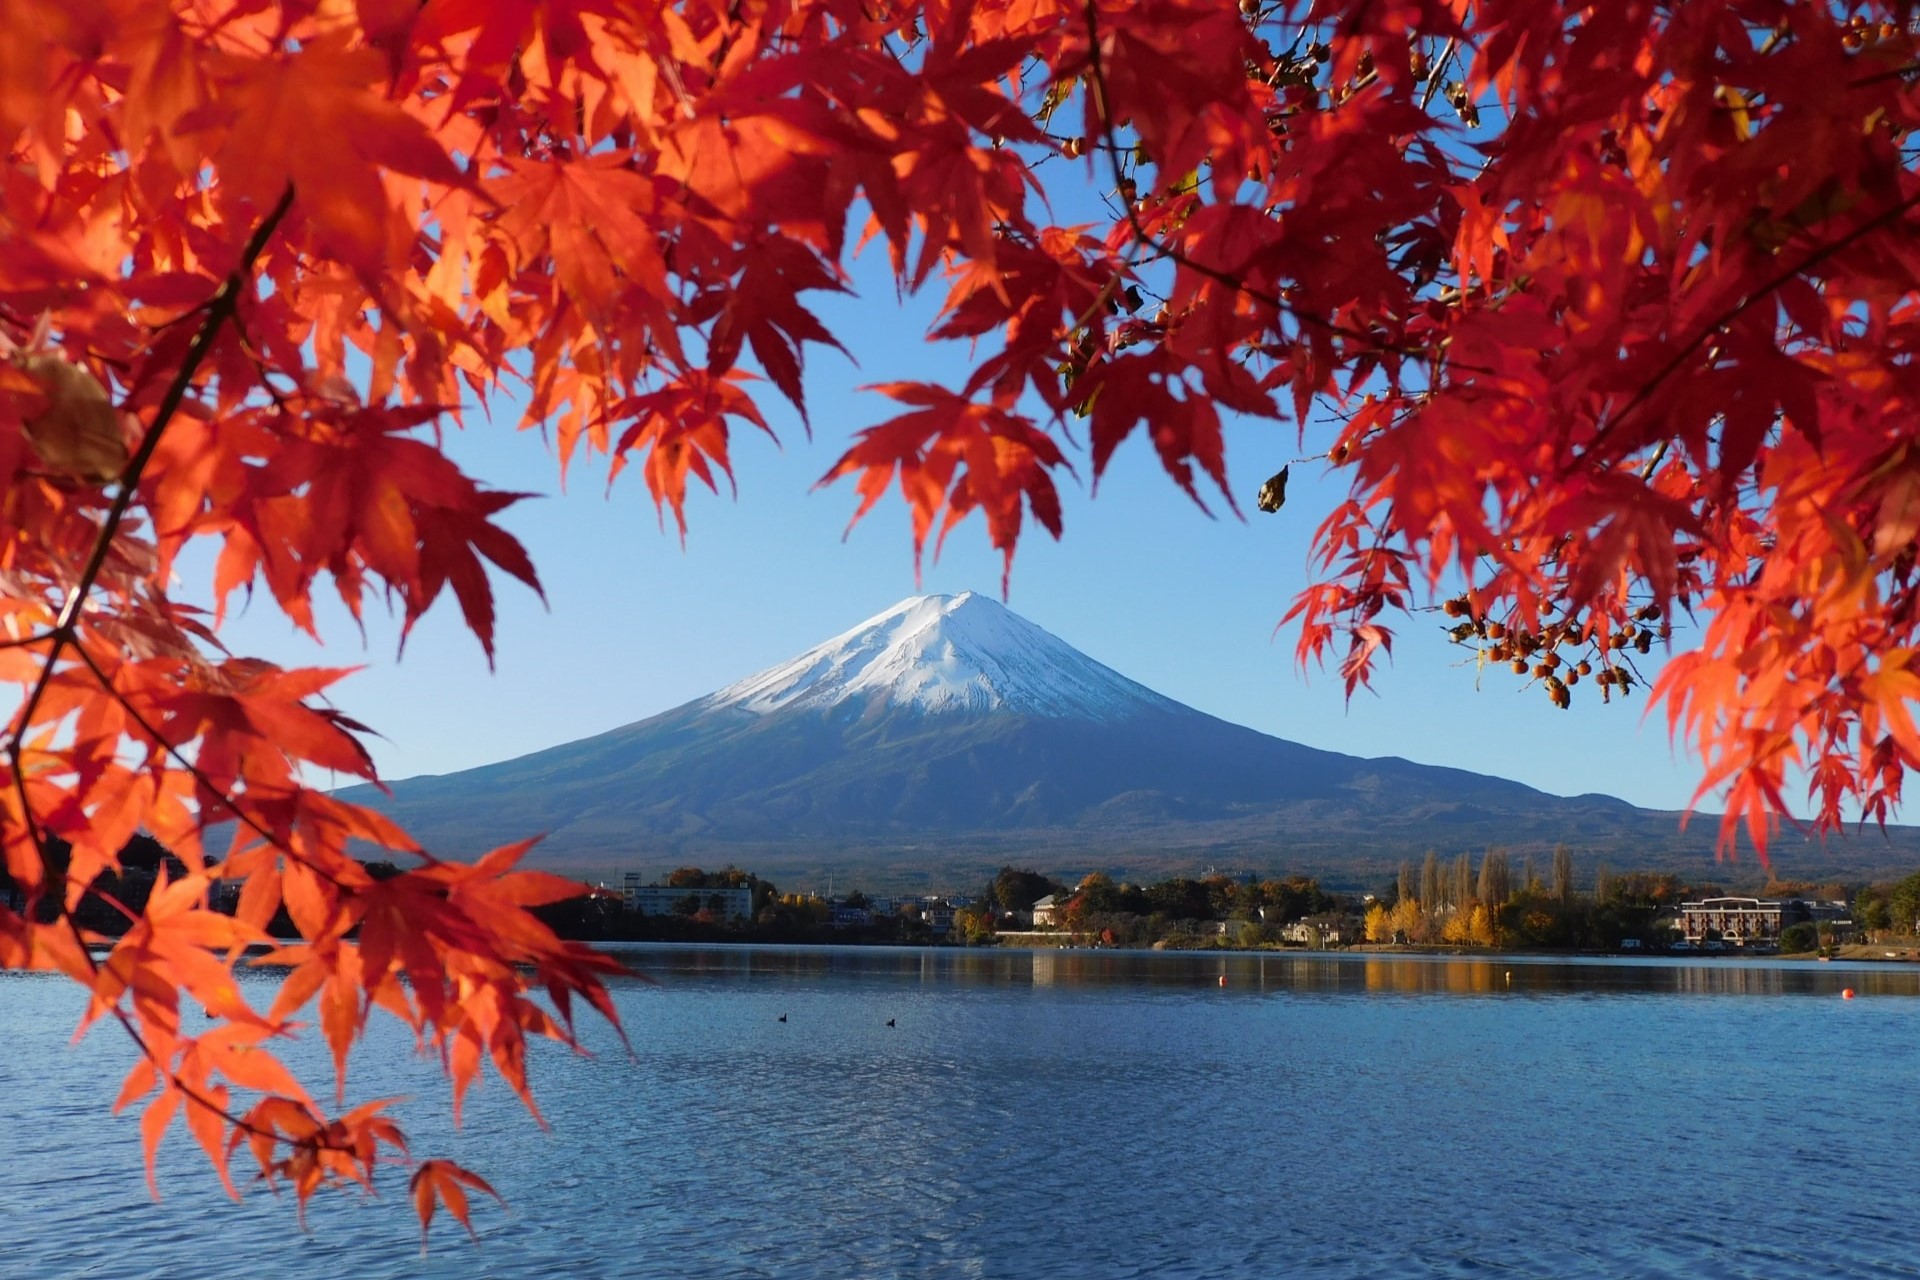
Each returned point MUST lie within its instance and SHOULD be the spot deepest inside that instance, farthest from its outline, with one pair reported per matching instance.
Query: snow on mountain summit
(964, 653)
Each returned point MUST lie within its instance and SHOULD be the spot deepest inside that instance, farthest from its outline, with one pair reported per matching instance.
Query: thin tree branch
(1747, 300)
(1098, 82)
(1438, 71)
(193, 769)
(173, 1081)
(27, 642)
(220, 307)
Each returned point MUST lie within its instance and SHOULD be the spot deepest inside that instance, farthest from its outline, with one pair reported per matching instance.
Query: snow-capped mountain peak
(947, 654)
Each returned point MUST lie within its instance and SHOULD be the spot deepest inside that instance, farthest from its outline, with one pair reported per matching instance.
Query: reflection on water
(1398, 974)
(814, 1113)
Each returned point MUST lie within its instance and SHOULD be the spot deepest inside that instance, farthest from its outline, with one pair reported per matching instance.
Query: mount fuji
(962, 655)
(948, 734)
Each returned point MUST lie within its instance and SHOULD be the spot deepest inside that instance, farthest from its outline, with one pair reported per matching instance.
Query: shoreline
(1907, 955)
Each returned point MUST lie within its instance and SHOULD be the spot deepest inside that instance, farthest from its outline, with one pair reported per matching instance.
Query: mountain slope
(945, 654)
(949, 732)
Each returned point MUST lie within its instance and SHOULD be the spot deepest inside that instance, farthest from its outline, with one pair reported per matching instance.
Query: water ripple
(1079, 1115)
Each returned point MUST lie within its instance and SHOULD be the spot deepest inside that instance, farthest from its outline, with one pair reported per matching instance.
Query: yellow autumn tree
(1408, 920)
(1470, 926)
(1480, 928)
(1379, 923)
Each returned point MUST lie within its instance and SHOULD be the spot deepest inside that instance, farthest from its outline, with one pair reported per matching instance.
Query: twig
(64, 631)
(1438, 71)
(193, 769)
(1747, 300)
(1097, 75)
(173, 1080)
(220, 308)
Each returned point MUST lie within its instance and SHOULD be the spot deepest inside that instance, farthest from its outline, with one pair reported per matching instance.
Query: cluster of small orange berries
(1304, 70)
(1859, 32)
(1299, 69)
(1536, 653)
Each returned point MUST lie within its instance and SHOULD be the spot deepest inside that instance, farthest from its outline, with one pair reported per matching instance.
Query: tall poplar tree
(1461, 889)
(1563, 873)
(1495, 887)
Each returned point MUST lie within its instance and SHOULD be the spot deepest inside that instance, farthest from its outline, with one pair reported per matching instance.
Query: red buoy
(1223, 981)
(1846, 993)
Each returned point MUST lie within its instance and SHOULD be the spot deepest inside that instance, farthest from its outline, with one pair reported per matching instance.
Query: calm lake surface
(1096, 1114)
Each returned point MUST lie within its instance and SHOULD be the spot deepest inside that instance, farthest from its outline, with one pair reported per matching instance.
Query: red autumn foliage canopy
(1615, 305)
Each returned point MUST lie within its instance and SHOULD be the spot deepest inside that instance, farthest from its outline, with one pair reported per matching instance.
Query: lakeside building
(1748, 922)
(1738, 922)
(1328, 929)
(1049, 912)
(1836, 914)
(666, 899)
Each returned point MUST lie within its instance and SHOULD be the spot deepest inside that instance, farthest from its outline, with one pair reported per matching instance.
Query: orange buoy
(1846, 993)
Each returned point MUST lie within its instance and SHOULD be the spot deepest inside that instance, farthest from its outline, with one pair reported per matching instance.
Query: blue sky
(1142, 581)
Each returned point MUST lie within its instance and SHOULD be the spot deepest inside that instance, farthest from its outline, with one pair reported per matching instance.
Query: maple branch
(26, 642)
(64, 635)
(16, 762)
(192, 768)
(93, 890)
(1746, 300)
(1905, 72)
(172, 1078)
(217, 310)
(1438, 71)
(260, 367)
(1098, 81)
(1653, 463)
(26, 808)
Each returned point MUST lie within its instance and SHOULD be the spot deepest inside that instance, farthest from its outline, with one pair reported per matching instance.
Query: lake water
(1079, 1114)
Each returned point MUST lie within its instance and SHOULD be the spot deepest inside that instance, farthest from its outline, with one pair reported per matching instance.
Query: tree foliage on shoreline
(1614, 305)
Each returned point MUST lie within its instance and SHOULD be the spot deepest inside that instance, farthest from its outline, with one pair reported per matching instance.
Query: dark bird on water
(889, 1021)
(1273, 494)
(783, 1017)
